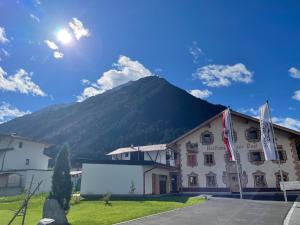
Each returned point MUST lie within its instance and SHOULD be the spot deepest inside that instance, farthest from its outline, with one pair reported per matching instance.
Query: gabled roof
(24, 139)
(146, 148)
(234, 113)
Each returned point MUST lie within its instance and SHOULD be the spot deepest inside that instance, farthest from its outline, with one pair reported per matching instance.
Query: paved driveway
(222, 211)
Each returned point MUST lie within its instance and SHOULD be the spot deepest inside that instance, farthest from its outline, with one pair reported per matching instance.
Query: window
(259, 179)
(175, 155)
(193, 179)
(27, 162)
(278, 177)
(20, 144)
(234, 136)
(168, 156)
(207, 138)
(191, 147)
(209, 159)
(126, 154)
(226, 157)
(282, 155)
(298, 150)
(256, 157)
(253, 134)
(192, 160)
(211, 180)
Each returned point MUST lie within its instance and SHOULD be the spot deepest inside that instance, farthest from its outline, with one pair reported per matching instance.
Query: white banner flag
(267, 139)
(227, 134)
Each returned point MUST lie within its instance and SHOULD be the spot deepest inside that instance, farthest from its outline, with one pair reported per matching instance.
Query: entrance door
(162, 184)
(234, 182)
(174, 183)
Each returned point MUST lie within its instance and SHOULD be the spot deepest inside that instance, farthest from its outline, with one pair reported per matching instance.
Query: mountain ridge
(146, 111)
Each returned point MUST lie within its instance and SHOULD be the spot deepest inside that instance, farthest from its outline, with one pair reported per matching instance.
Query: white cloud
(196, 52)
(287, 122)
(200, 93)
(34, 17)
(5, 52)
(123, 71)
(58, 55)
(89, 92)
(8, 112)
(294, 72)
(85, 82)
(51, 44)
(223, 75)
(250, 111)
(78, 29)
(3, 38)
(20, 82)
(296, 95)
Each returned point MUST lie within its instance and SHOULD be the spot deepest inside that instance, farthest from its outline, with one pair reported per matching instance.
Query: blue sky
(236, 53)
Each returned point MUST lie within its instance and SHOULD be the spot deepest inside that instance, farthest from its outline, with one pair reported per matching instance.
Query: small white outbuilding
(149, 170)
(122, 177)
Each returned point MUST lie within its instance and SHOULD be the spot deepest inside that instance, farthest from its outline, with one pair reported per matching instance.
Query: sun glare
(64, 36)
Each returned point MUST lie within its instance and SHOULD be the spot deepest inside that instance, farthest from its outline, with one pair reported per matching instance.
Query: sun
(64, 36)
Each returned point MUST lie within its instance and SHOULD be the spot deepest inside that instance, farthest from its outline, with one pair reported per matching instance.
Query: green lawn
(95, 212)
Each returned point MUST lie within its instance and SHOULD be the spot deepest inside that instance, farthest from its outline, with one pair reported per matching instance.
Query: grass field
(94, 212)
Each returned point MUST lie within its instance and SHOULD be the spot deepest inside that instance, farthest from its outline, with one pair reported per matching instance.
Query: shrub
(106, 198)
(132, 188)
(61, 179)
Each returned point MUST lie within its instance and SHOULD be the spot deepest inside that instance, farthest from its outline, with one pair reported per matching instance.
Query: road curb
(288, 217)
(156, 214)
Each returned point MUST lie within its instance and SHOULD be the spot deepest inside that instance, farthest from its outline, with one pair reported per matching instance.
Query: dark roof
(124, 162)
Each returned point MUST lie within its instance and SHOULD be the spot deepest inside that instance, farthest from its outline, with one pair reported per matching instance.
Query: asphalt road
(223, 211)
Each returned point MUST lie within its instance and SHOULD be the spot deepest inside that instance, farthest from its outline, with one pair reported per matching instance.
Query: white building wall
(39, 175)
(148, 177)
(218, 148)
(16, 159)
(98, 179)
(157, 156)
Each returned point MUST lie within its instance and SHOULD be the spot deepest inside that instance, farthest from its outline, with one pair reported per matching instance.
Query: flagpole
(277, 155)
(236, 157)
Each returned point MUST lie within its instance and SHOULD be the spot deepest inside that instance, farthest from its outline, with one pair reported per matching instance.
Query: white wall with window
(20, 154)
(156, 153)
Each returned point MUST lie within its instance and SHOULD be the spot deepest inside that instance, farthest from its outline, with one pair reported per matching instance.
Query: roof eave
(276, 126)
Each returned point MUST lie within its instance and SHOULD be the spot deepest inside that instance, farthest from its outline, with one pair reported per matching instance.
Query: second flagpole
(236, 157)
(277, 156)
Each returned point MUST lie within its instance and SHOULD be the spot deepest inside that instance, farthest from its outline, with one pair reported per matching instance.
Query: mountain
(147, 111)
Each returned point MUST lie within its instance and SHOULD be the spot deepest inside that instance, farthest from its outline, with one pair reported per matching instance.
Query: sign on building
(290, 185)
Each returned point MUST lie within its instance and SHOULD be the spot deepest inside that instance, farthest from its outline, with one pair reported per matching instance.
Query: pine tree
(61, 179)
